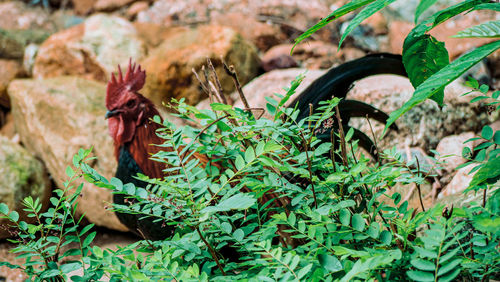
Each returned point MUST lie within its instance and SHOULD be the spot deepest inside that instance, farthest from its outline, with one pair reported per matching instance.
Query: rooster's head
(127, 109)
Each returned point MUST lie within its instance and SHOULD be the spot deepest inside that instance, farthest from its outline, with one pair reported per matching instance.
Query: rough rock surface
(21, 175)
(18, 15)
(56, 117)
(425, 124)
(453, 145)
(9, 69)
(169, 66)
(92, 49)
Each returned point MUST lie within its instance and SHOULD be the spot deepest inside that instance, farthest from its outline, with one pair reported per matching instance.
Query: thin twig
(212, 251)
(343, 149)
(418, 186)
(374, 140)
(232, 73)
(217, 81)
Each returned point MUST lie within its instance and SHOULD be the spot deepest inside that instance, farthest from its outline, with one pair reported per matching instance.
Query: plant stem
(212, 251)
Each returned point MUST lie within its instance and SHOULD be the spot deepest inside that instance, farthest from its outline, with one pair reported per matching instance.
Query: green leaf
(496, 137)
(239, 201)
(488, 171)
(239, 163)
(373, 230)
(364, 14)
(422, 7)
(489, 29)
(451, 275)
(423, 264)
(423, 56)
(72, 266)
(442, 78)
(358, 222)
(220, 107)
(420, 275)
(14, 216)
(452, 11)
(487, 132)
(249, 155)
(70, 172)
(345, 217)
(330, 263)
(238, 234)
(4, 209)
(89, 239)
(488, 6)
(449, 267)
(349, 7)
(386, 237)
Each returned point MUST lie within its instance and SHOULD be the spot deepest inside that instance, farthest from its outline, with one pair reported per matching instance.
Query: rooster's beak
(111, 113)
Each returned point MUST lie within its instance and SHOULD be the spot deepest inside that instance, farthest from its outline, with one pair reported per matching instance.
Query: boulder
(9, 69)
(110, 5)
(55, 118)
(19, 15)
(14, 41)
(425, 124)
(453, 145)
(83, 7)
(92, 49)
(21, 175)
(169, 66)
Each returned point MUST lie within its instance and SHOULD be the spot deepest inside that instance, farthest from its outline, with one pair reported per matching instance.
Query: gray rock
(21, 175)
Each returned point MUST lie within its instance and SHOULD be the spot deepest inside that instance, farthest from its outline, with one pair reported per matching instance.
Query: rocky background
(57, 55)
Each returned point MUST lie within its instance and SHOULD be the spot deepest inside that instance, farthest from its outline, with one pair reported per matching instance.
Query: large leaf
(237, 202)
(489, 171)
(422, 7)
(454, 10)
(364, 14)
(488, 6)
(347, 8)
(442, 78)
(488, 30)
(422, 57)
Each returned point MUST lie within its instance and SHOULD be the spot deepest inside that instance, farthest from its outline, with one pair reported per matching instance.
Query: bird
(130, 124)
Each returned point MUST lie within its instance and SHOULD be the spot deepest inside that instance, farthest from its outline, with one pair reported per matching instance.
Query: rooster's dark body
(129, 118)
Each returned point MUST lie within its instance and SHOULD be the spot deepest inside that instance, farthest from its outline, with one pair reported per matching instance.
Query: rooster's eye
(130, 104)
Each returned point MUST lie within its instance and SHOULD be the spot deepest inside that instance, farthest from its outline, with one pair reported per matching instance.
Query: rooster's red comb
(133, 81)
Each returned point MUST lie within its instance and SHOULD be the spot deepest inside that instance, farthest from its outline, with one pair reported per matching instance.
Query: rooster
(129, 120)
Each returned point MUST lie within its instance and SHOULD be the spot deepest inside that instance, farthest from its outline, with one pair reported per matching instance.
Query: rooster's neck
(142, 146)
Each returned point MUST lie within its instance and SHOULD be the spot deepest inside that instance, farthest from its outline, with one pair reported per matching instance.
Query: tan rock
(425, 124)
(453, 145)
(19, 15)
(169, 66)
(398, 30)
(459, 182)
(21, 175)
(83, 7)
(154, 34)
(9, 69)
(312, 55)
(7, 127)
(91, 50)
(263, 35)
(110, 5)
(55, 118)
(136, 8)
(378, 23)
